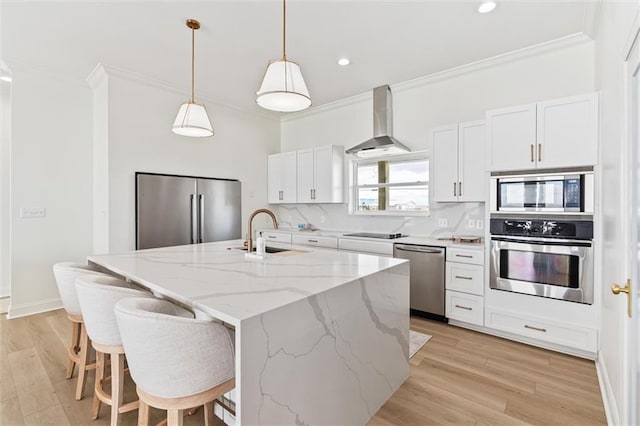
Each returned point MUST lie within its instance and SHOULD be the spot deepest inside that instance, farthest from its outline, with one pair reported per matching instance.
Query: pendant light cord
(284, 30)
(193, 60)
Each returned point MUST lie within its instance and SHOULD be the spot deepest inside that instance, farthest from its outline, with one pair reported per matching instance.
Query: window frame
(354, 187)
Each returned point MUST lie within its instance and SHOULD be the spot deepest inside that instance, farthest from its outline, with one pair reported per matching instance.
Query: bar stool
(97, 296)
(176, 363)
(79, 350)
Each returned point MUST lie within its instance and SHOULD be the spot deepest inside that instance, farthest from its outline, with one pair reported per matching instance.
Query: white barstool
(97, 296)
(177, 363)
(79, 350)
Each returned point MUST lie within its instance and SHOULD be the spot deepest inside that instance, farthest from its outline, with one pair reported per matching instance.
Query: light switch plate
(443, 222)
(31, 212)
(480, 224)
(471, 224)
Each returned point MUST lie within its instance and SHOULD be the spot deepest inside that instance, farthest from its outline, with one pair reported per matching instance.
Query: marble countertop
(429, 241)
(218, 279)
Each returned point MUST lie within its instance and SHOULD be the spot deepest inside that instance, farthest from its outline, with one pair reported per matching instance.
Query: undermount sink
(266, 249)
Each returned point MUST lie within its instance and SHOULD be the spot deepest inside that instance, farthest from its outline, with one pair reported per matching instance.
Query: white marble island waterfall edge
(322, 337)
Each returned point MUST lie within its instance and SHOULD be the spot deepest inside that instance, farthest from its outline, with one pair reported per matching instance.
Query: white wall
(50, 168)
(5, 176)
(560, 69)
(139, 139)
(613, 33)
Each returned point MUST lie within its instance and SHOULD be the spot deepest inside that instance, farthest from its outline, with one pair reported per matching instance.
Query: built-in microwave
(543, 193)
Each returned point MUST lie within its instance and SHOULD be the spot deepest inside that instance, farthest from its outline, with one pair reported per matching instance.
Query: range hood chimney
(383, 142)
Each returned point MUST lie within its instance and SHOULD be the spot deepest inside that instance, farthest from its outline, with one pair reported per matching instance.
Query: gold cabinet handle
(539, 152)
(532, 153)
(530, 327)
(616, 289)
(464, 307)
(463, 278)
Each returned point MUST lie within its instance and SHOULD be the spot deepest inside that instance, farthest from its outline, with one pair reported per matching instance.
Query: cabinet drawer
(543, 329)
(461, 255)
(366, 246)
(310, 240)
(276, 237)
(465, 278)
(465, 307)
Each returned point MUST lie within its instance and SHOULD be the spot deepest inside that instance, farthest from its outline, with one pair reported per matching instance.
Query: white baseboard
(16, 311)
(608, 398)
(4, 304)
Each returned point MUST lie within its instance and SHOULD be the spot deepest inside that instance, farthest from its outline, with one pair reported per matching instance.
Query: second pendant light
(283, 88)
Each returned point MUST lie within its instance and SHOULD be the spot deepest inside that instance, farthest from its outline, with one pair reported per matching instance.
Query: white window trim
(353, 195)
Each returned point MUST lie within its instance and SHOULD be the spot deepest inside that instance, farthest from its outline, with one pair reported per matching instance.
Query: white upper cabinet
(458, 162)
(320, 175)
(550, 134)
(511, 134)
(282, 178)
(568, 132)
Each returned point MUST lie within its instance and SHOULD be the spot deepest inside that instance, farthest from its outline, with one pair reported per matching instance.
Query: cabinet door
(471, 163)
(323, 179)
(305, 179)
(289, 177)
(568, 132)
(511, 136)
(274, 179)
(444, 162)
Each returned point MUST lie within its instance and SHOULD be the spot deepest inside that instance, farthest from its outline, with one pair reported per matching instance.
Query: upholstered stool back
(66, 274)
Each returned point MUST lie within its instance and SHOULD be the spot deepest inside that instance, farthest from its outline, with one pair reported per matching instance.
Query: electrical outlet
(471, 224)
(480, 224)
(443, 222)
(26, 212)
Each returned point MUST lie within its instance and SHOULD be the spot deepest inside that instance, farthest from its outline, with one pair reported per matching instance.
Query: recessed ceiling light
(486, 6)
(344, 62)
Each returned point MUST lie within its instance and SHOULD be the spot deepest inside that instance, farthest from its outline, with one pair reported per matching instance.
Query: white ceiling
(387, 41)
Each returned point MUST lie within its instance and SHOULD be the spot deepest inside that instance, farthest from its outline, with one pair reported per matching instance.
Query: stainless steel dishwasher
(426, 266)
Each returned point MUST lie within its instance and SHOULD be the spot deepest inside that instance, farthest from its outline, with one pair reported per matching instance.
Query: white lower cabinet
(464, 307)
(464, 284)
(540, 328)
(362, 246)
(307, 240)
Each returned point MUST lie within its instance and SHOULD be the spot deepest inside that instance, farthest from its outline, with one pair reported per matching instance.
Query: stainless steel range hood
(383, 142)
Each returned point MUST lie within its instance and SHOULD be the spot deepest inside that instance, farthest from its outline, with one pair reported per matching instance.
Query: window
(397, 185)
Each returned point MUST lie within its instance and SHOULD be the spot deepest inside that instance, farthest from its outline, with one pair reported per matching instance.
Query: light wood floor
(458, 377)
(463, 377)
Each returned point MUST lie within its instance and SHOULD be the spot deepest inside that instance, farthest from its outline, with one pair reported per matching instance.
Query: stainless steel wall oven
(547, 258)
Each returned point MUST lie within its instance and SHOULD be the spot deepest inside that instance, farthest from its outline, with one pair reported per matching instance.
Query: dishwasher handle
(418, 249)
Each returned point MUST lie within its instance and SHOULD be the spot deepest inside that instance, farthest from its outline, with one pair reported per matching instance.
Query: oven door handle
(566, 243)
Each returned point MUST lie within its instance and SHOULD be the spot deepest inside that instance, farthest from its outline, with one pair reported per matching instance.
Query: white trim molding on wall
(16, 311)
(608, 397)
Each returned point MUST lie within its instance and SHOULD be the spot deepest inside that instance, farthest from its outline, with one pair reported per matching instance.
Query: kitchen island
(322, 336)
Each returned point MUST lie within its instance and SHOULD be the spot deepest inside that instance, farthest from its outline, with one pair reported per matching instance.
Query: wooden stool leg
(73, 349)
(84, 360)
(174, 417)
(143, 414)
(208, 414)
(117, 387)
(95, 408)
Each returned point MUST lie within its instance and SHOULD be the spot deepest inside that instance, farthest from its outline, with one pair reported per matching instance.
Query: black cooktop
(374, 235)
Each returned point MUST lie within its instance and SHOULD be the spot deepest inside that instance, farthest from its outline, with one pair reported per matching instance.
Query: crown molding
(592, 16)
(17, 67)
(97, 76)
(113, 71)
(513, 56)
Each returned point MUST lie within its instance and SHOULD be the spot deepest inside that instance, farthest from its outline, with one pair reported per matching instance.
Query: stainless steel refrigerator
(177, 210)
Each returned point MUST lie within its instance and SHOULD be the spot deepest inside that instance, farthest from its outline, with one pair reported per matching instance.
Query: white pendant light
(192, 119)
(283, 88)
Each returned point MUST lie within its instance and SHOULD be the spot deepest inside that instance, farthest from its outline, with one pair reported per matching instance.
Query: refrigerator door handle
(194, 218)
(200, 216)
